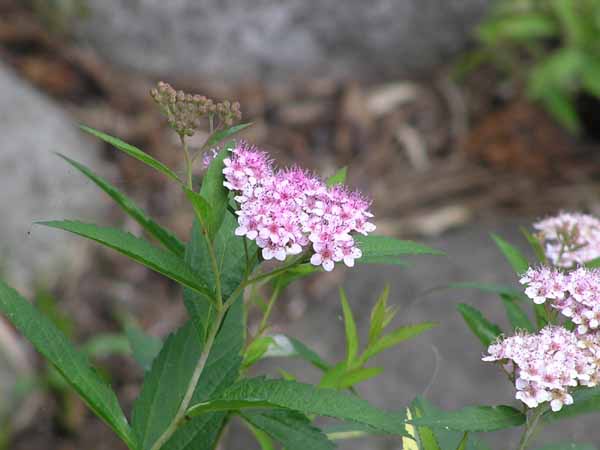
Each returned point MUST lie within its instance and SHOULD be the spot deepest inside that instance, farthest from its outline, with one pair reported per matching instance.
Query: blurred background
(458, 117)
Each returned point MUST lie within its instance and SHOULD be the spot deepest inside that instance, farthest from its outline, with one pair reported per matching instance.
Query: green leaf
(133, 152)
(536, 245)
(377, 246)
(350, 431)
(144, 347)
(289, 347)
(541, 315)
(263, 439)
(72, 365)
(200, 433)
(338, 178)
(264, 393)
(221, 135)
(357, 376)
(474, 419)
(568, 446)
(298, 272)
(561, 107)
(516, 316)
(516, 259)
(164, 236)
(165, 385)
(486, 331)
(214, 192)
(292, 429)
(593, 264)
(396, 337)
(107, 344)
(351, 331)
(381, 316)
(204, 213)
(522, 27)
(491, 288)
(256, 350)
(383, 260)
(137, 249)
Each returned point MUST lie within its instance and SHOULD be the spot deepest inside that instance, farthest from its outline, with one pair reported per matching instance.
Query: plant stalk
(531, 427)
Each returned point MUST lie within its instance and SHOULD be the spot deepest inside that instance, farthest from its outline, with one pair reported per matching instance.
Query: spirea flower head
(576, 294)
(547, 365)
(570, 239)
(286, 211)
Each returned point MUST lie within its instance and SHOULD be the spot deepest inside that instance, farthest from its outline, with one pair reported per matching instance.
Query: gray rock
(271, 39)
(443, 364)
(35, 184)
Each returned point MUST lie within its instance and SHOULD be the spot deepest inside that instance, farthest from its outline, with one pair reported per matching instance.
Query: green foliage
(485, 331)
(515, 258)
(71, 364)
(164, 236)
(548, 45)
(383, 246)
(474, 419)
(137, 249)
(351, 331)
(264, 393)
(338, 178)
(292, 429)
(568, 447)
(144, 347)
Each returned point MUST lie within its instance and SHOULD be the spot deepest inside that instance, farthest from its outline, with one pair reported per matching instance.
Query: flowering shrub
(246, 213)
(554, 361)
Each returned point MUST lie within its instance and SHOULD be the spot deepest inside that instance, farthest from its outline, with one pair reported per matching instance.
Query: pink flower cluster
(547, 364)
(286, 211)
(575, 294)
(570, 239)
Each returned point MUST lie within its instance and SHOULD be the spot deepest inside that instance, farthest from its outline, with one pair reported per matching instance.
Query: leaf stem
(188, 162)
(531, 427)
(265, 319)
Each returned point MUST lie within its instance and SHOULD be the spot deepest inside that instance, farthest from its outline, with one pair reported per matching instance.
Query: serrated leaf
(263, 439)
(338, 178)
(219, 136)
(163, 235)
(351, 331)
(383, 260)
(516, 316)
(515, 258)
(486, 331)
(264, 393)
(71, 364)
(474, 419)
(200, 433)
(292, 429)
(144, 347)
(396, 337)
(133, 152)
(137, 249)
(585, 401)
(256, 350)
(165, 385)
(381, 315)
(378, 246)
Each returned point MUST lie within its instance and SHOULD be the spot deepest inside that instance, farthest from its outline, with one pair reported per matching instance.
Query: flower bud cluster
(570, 239)
(575, 295)
(286, 211)
(547, 364)
(185, 112)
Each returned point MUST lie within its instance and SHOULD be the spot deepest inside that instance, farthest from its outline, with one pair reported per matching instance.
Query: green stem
(188, 163)
(179, 416)
(531, 427)
(265, 319)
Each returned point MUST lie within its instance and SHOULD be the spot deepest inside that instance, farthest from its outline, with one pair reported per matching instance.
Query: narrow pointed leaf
(515, 258)
(357, 376)
(383, 260)
(164, 236)
(264, 393)
(377, 246)
(135, 248)
(165, 385)
(516, 316)
(338, 178)
(474, 419)
(144, 347)
(491, 288)
(536, 246)
(133, 152)
(351, 331)
(292, 429)
(71, 364)
(263, 439)
(213, 191)
(378, 315)
(284, 346)
(200, 433)
(570, 446)
(221, 135)
(396, 337)
(486, 331)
